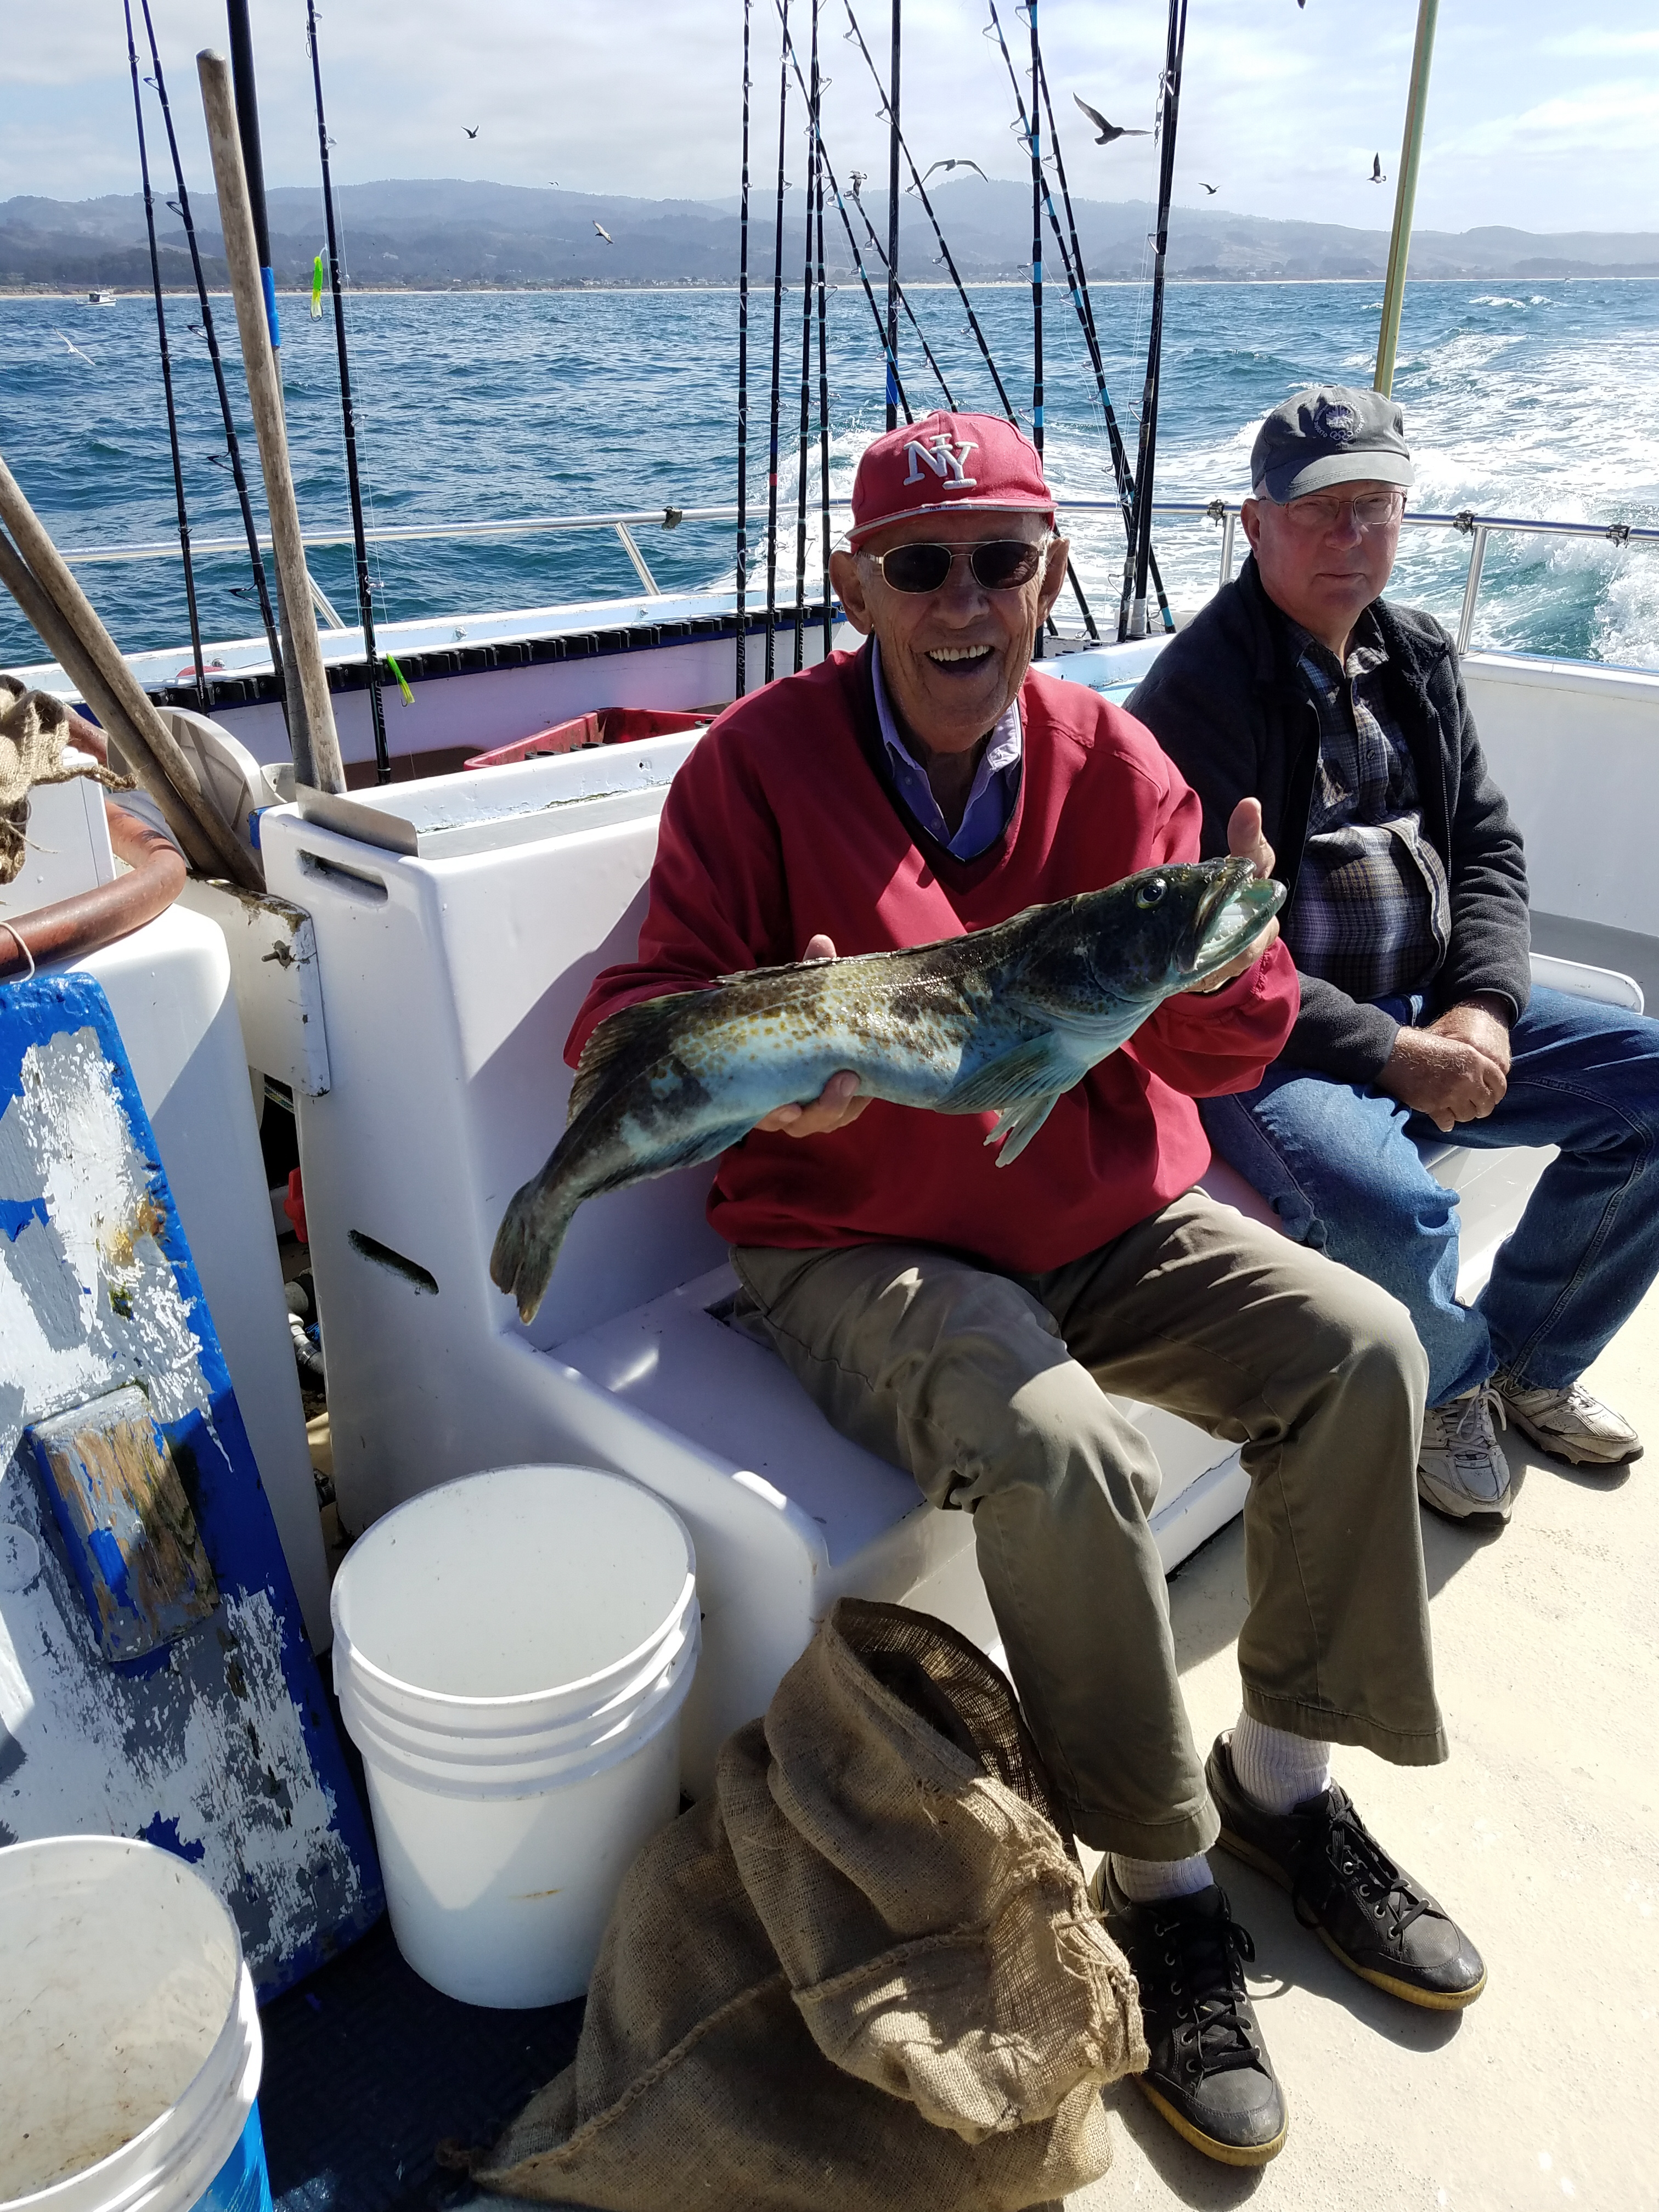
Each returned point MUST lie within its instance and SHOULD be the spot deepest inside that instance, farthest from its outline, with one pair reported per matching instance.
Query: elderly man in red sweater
(968, 1322)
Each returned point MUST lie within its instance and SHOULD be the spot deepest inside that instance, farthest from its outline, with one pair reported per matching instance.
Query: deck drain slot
(394, 1262)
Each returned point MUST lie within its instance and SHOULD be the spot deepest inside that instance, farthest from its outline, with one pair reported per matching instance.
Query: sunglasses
(1000, 564)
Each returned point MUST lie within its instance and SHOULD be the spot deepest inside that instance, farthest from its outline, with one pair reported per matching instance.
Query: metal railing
(1477, 528)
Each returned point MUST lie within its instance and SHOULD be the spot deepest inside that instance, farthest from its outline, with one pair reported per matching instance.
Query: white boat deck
(1539, 1835)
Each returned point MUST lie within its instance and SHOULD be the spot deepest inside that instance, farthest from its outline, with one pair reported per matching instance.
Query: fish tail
(527, 1242)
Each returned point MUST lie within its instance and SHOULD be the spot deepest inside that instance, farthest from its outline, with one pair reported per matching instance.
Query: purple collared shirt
(996, 780)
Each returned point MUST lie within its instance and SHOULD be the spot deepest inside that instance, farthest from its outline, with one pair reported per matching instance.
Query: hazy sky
(1540, 116)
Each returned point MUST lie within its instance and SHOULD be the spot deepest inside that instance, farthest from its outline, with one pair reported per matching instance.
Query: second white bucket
(511, 1652)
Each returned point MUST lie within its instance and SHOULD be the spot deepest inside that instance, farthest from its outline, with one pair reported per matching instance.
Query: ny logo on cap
(946, 461)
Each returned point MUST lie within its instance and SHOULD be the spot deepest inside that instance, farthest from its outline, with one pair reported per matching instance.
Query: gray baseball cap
(1330, 433)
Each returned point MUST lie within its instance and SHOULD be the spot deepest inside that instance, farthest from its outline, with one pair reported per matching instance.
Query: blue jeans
(1341, 1166)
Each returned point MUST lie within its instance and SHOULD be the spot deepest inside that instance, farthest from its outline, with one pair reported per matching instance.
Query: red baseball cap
(942, 463)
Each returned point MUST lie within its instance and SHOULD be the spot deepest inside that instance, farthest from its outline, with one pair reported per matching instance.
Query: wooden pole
(52, 575)
(316, 750)
(1405, 195)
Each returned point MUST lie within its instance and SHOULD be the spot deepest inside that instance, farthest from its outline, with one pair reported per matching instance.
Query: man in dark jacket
(1407, 918)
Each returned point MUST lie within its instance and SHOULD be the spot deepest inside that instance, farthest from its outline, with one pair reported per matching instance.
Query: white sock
(1276, 1769)
(1149, 1881)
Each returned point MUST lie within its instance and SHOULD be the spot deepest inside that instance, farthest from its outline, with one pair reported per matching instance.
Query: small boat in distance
(100, 299)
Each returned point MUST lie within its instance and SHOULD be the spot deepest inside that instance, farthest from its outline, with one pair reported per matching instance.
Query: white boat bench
(458, 923)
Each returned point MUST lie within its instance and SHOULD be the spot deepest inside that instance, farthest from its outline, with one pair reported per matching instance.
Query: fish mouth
(1235, 906)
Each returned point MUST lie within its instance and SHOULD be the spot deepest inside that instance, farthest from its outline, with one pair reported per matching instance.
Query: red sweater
(782, 824)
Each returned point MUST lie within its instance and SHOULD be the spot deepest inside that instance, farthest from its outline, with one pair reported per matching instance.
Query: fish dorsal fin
(616, 1036)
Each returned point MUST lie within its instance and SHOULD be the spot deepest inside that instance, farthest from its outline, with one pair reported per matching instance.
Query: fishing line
(266, 614)
(777, 355)
(366, 425)
(921, 193)
(1077, 280)
(903, 299)
(896, 56)
(1035, 137)
(365, 595)
(852, 241)
(1132, 608)
(743, 385)
(167, 373)
(824, 352)
(805, 360)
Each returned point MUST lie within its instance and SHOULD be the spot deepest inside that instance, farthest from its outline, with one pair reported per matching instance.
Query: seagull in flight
(960, 162)
(475, 130)
(1377, 177)
(73, 348)
(1108, 130)
(605, 233)
(1212, 189)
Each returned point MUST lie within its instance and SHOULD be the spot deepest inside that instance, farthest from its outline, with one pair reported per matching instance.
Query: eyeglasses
(999, 564)
(1375, 510)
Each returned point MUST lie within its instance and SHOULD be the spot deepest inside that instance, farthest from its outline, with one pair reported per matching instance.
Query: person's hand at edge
(1245, 841)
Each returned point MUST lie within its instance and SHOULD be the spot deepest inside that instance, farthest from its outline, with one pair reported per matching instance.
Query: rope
(33, 728)
(743, 385)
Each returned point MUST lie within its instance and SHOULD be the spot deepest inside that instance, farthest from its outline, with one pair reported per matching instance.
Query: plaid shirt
(1372, 911)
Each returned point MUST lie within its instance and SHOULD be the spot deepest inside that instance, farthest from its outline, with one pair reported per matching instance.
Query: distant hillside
(443, 233)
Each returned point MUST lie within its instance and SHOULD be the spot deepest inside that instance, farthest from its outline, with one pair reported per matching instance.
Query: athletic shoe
(1367, 1910)
(1461, 1467)
(1569, 1424)
(1209, 2074)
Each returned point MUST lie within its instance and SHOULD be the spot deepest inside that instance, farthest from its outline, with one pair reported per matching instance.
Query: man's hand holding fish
(993, 1227)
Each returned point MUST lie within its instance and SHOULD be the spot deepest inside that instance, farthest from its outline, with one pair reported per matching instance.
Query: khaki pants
(991, 1390)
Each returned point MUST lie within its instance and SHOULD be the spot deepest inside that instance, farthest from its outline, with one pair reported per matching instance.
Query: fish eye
(1150, 894)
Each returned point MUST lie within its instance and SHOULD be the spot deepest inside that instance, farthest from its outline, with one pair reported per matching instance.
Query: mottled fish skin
(1002, 1019)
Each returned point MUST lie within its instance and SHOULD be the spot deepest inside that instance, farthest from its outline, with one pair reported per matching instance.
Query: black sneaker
(1208, 2074)
(1367, 1910)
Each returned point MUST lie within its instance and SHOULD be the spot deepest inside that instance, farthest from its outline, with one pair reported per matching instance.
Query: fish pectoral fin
(1041, 1067)
(1018, 1124)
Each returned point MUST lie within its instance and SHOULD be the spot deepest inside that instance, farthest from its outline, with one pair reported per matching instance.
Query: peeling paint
(217, 1744)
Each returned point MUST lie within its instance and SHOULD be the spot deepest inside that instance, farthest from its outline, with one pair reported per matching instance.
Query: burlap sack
(864, 1974)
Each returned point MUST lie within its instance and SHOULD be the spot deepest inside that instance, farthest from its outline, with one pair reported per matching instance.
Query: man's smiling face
(953, 659)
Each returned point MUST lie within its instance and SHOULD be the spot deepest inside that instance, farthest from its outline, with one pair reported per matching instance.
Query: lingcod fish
(1002, 1020)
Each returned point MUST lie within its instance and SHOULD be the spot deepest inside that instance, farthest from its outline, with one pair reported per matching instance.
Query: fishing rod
(1037, 195)
(348, 413)
(904, 302)
(955, 278)
(921, 193)
(1078, 276)
(851, 242)
(777, 356)
(1132, 609)
(167, 373)
(742, 387)
(892, 210)
(823, 373)
(234, 448)
(806, 361)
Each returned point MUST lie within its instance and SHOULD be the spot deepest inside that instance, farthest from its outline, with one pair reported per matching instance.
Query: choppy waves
(1539, 403)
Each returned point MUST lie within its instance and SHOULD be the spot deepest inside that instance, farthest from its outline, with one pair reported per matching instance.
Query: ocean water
(1538, 400)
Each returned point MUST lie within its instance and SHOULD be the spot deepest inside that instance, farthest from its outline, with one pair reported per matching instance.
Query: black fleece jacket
(1225, 702)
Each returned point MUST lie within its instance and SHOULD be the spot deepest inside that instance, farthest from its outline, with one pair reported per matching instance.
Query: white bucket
(511, 1653)
(129, 2039)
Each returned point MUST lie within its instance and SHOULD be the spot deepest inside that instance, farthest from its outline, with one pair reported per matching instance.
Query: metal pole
(1471, 590)
(742, 642)
(820, 167)
(893, 224)
(806, 358)
(1034, 135)
(1405, 195)
(348, 418)
(166, 374)
(317, 745)
(1132, 612)
(777, 355)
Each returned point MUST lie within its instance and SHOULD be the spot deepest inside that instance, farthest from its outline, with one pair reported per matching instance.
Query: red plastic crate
(608, 726)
